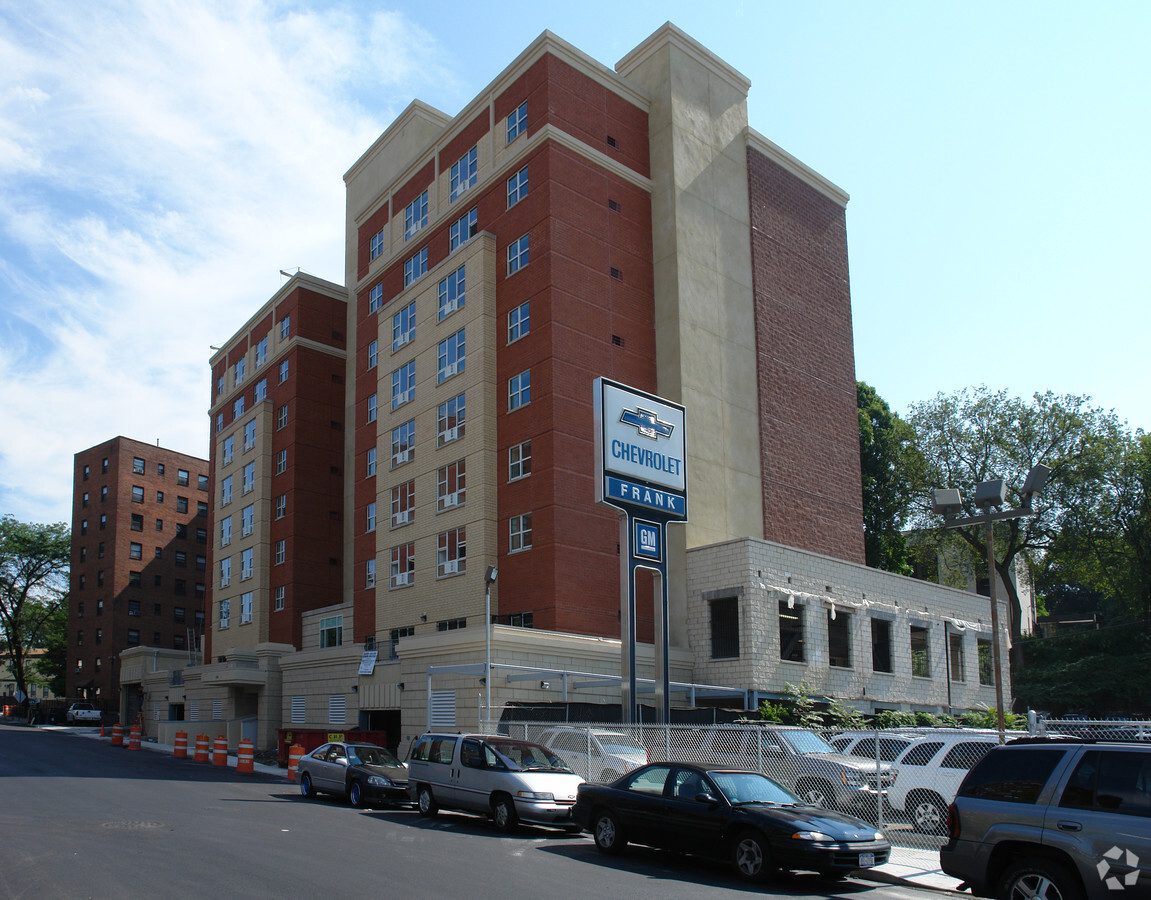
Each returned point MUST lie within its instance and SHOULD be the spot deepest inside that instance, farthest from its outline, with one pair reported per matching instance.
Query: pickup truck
(82, 713)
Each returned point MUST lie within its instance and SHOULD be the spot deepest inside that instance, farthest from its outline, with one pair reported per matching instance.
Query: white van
(508, 779)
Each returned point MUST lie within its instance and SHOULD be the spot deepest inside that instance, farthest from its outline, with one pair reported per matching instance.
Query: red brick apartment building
(139, 559)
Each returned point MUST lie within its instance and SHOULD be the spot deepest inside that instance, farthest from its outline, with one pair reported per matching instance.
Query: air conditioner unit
(401, 339)
(451, 434)
(415, 227)
(450, 370)
(449, 308)
(451, 567)
(451, 500)
(462, 187)
(400, 579)
(401, 518)
(401, 398)
(401, 456)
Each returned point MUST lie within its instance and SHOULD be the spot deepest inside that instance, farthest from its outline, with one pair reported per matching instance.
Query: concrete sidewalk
(917, 868)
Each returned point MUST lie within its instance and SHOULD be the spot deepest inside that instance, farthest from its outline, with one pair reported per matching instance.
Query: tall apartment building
(139, 567)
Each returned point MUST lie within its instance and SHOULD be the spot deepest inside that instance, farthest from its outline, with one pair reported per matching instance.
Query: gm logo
(647, 541)
(647, 423)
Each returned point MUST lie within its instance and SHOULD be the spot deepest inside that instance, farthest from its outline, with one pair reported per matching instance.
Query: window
(416, 267)
(281, 462)
(281, 506)
(520, 461)
(285, 327)
(331, 631)
(920, 652)
(249, 435)
(219, 392)
(261, 352)
(278, 598)
(986, 661)
(452, 556)
(370, 573)
(238, 408)
(450, 420)
(415, 215)
(451, 357)
(1016, 777)
(103, 494)
(225, 531)
(225, 613)
(225, 571)
(137, 466)
(396, 633)
(881, 645)
(182, 505)
(955, 656)
(371, 516)
(201, 563)
(403, 384)
(403, 566)
(403, 326)
(463, 173)
(522, 620)
(219, 422)
(261, 390)
(371, 464)
(137, 523)
(452, 624)
(373, 354)
(228, 451)
(247, 563)
(238, 371)
(517, 187)
(519, 390)
(463, 229)
(246, 608)
(403, 503)
(135, 551)
(282, 416)
(285, 370)
(518, 121)
(451, 293)
(133, 637)
(249, 480)
(520, 533)
(790, 631)
(133, 607)
(725, 628)
(376, 245)
(838, 638)
(375, 298)
(403, 443)
(104, 466)
(1114, 781)
(966, 754)
(373, 407)
(519, 321)
(517, 255)
(451, 485)
(921, 754)
(84, 500)
(137, 494)
(247, 520)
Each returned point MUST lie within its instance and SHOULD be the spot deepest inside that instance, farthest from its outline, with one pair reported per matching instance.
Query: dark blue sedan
(744, 817)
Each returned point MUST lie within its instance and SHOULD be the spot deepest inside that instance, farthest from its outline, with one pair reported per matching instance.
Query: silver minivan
(507, 779)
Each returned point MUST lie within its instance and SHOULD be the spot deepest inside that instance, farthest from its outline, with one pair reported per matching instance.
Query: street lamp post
(989, 496)
(489, 580)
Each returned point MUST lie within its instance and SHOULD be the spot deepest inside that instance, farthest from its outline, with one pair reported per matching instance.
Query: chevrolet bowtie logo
(646, 423)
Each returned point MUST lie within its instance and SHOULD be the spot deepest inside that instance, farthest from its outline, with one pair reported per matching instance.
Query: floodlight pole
(996, 657)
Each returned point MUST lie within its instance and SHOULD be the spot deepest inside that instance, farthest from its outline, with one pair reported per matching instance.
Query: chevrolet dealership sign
(640, 451)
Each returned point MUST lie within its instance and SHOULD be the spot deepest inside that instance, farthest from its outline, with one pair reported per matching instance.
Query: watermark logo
(1111, 858)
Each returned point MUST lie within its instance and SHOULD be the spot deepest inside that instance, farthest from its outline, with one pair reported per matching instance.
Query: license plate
(866, 860)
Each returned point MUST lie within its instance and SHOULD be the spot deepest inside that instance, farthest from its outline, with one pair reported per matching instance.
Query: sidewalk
(917, 868)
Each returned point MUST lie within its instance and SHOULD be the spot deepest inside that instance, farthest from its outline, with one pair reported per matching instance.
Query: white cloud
(159, 163)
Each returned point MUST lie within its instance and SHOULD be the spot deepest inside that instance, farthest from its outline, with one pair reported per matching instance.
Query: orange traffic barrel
(246, 757)
(294, 754)
(181, 751)
(134, 738)
(117, 735)
(220, 751)
(201, 748)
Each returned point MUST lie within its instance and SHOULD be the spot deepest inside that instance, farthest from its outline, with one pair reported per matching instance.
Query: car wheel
(752, 857)
(504, 814)
(426, 801)
(356, 795)
(816, 792)
(608, 775)
(306, 785)
(607, 834)
(928, 812)
(1039, 879)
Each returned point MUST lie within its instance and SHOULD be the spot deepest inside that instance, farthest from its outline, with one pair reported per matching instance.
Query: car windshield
(806, 742)
(528, 757)
(750, 787)
(367, 755)
(618, 743)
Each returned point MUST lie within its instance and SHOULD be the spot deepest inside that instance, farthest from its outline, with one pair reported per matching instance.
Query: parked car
(364, 773)
(82, 714)
(599, 754)
(1054, 819)
(930, 772)
(862, 744)
(507, 779)
(800, 760)
(744, 817)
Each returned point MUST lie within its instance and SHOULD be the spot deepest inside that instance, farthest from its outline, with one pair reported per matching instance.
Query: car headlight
(879, 836)
(811, 836)
(379, 781)
(536, 795)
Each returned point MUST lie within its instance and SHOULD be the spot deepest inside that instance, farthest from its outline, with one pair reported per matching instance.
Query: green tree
(975, 435)
(891, 466)
(33, 583)
(51, 667)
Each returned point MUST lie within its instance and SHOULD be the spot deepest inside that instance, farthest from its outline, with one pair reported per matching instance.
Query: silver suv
(1054, 820)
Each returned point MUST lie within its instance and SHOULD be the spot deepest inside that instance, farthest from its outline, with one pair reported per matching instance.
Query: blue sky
(160, 162)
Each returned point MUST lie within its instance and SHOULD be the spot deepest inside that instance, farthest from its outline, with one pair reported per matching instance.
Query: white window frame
(520, 461)
(285, 370)
(404, 384)
(371, 462)
(517, 122)
(520, 533)
(416, 267)
(517, 187)
(370, 573)
(225, 531)
(281, 552)
(249, 435)
(261, 352)
(373, 407)
(376, 298)
(404, 556)
(246, 608)
(226, 572)
(248, 520)
(249, 480)
(519, 390)
(404, 326)
(451, 294)
(370, 525)
(281, 506)
(373, 354)
(519, 322)
(403, 443)
(416, 215)
(451, 357)
(228, 450)
(281, 462)
(453, 475)
(225, 613)
(247, 563)
(452, 554)
(463, 229)
(450, 420)
(519, 254)
(403, 503)
(464, 173)
(376, 245)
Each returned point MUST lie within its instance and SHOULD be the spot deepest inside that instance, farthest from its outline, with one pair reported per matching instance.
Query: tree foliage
(891, 466)
(52, 665)
(33, 583)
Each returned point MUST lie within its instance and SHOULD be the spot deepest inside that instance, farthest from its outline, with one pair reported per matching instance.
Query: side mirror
(707, 798)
